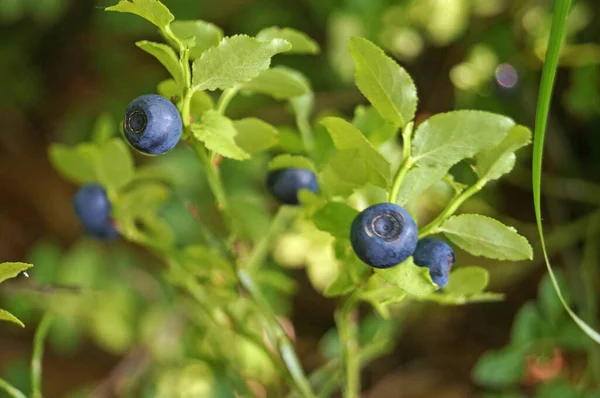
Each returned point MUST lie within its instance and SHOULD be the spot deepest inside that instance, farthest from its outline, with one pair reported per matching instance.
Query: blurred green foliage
(474, 37)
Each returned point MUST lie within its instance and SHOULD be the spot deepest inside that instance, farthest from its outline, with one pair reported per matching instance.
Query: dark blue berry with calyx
(93, 207)
(284, 184)
(384, 235)
(152, 124)
(436, 255)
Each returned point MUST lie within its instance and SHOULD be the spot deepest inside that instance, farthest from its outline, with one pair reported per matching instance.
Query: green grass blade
(557, 35)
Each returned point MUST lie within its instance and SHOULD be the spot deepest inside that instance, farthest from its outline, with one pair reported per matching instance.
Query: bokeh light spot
(506, 75)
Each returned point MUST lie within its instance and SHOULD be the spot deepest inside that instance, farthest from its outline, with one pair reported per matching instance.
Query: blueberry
(106, 232)
(284, 184)
(436, 255)
(93, 209)
(384, 235)
(152, 124)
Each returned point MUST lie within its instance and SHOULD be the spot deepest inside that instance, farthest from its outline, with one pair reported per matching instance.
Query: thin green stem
(589, 274)
(214, 181)
(331, 376)
(348, 332)
(10, 390)
(274, 329)
(407, 162)
(225, 98)
(259, 251)
(306, 133)
(38, 354)
(185, 108)
(278, 335)
(454, 204)
(185, 64)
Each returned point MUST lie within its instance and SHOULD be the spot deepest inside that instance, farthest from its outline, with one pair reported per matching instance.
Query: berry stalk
(407, 162)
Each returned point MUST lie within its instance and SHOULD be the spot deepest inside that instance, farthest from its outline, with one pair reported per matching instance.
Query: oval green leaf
(300, 41)
(386, 85)
(10, 270)
(484, 236)
(236, 60)
(218, 133)
(467, 280)
(446, 138)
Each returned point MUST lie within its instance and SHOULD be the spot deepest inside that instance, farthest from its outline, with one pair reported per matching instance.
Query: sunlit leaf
(386, 85)
(236, 60)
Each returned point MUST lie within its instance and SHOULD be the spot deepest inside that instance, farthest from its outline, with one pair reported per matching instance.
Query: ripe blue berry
(284, 184)
(93, 209)
(384, 235)
(152, 124)
(436, 255)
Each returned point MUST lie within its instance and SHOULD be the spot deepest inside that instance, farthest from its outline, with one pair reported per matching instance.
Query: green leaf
(167, 57)
(201, 102)
(418, 180)
(236, 60)
(467, 280)
(335, 218)
(343, 284)
(336, 181)
(380, 294)
(286, 160)
(250, 217)
(350, 263)
(453, 299)
(10, 270)
(140, 199)
(409, 277)
(357, 154)
(559, 388)
(204, 261)
(254, 135)
(446, 138)
(484, 236)
(506, 394)
(279, 82)
(301, 42)
(104, 129)
(527, 326)
(500, 368)
(303, 106)
(218, 133)
(115, 165)
(156, 232)
(7, 316)
(570, 336)
(168, 88)
(386, 85)
(77, 164)
(152, 10)
(374, 127)
(495, 162)
(206, 35)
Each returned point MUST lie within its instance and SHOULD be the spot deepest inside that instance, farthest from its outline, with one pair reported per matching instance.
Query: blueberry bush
(195, 217)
